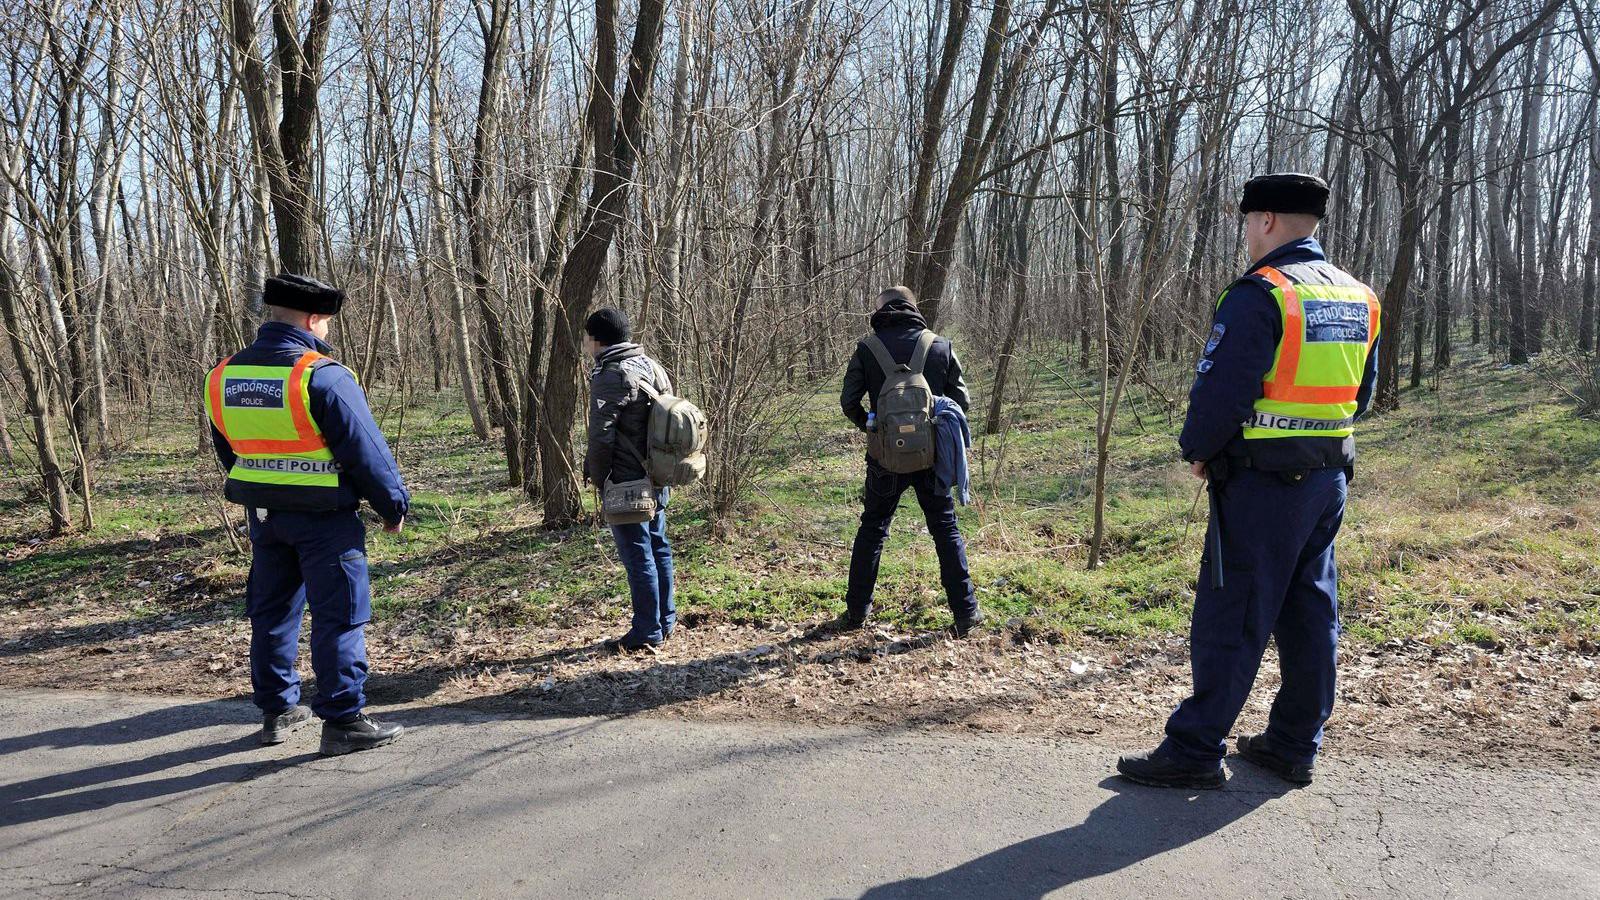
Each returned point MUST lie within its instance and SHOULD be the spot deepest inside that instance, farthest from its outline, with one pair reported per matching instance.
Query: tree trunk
(1444, 282)
(36, 404)
(285, 149)
(480, 240)
(617, 146)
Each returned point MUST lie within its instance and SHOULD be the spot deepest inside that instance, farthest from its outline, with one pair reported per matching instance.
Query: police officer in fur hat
(1288, 367)
(293, 431)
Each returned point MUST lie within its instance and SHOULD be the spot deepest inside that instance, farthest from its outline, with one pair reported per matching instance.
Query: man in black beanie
(619, 416)
(901, 344)
(292, 429)
(1287, 369)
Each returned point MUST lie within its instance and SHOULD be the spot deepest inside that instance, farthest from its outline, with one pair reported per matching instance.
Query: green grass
(1472, 520)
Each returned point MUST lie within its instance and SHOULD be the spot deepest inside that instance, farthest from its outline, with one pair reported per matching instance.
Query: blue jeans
(879, 499)
(647, 557)
(316, 559)
(1281, 583)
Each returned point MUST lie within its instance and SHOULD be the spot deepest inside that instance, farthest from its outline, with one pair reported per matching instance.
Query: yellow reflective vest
(264, 413)
(1330, 323)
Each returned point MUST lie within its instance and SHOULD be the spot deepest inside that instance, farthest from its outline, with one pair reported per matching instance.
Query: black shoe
(1157, 769)
(360, 732)
(275, 727)
(1254, 749)
(629, 644)
(849, 620)
(965, 625)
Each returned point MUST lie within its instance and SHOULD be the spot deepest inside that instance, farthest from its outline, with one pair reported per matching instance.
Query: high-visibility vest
(1330, 323)
(264, 412)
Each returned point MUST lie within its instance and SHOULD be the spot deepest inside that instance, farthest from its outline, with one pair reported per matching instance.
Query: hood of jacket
(617, 353)
(898, 313)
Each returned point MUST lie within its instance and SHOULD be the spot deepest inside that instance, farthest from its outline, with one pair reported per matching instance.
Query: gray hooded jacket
(619, 412)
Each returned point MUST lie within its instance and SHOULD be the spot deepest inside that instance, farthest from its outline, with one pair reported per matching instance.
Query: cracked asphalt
(122, 796)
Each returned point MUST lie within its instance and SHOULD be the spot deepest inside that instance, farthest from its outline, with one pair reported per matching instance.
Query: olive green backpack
(903, 439)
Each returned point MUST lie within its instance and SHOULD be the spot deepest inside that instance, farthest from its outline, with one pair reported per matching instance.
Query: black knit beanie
(607, 325)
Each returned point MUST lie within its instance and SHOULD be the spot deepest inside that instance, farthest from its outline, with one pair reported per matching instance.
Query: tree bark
(286, 148)
(617, 146)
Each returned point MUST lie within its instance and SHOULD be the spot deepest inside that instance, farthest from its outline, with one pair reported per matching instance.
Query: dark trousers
(647, 558)
(1280, 583)
(317, 560)
(879, 499)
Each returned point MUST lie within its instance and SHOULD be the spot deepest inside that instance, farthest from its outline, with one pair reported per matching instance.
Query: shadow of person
(129, 780)
(1135, 824)
(158, 722)
(60, 795)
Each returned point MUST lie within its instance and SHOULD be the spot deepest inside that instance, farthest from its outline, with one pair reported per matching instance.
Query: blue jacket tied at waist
(951, 438)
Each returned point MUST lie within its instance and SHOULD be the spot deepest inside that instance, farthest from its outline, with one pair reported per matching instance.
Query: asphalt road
(105, 795)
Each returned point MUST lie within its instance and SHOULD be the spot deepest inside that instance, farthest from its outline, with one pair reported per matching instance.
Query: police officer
(293, 430)
(1287, 369)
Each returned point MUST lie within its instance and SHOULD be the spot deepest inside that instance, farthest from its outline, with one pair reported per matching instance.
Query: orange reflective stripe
(308, 440)
(1281, 386)
(214, 396)
(1302, 394)
(1374, 318)
(297, 406)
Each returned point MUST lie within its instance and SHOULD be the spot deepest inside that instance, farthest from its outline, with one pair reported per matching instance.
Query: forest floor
(1470, 564)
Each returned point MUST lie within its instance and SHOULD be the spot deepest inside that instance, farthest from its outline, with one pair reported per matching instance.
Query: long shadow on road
(100, 787)
(1134, 825)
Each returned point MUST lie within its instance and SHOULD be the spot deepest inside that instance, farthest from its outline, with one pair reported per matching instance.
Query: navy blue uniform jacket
(339, 406)
(1244, 339)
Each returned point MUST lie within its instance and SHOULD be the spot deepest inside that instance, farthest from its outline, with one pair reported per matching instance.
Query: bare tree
(286, 147)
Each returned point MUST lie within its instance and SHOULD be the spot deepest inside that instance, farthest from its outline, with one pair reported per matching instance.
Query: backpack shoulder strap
(886, 362)
(919, 356)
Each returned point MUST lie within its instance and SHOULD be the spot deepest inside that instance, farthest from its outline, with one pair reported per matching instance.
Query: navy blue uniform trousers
(879, 499)
(1280, 582)
(317, 560)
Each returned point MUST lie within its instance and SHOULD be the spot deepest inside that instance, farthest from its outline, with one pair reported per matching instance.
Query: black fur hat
(1285, 192)
(292, 291)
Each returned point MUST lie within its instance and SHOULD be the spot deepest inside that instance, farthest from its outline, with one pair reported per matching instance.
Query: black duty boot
(1158, 769)
(1257, 750)
(965, 625)
(359, 732)
(850, 620)
(629, 644)
(275, 727)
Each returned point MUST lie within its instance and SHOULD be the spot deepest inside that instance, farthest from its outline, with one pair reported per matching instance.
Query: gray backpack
(903, 439)
(675, 439)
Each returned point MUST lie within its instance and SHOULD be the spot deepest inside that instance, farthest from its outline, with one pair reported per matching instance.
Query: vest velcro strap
(1276, 422)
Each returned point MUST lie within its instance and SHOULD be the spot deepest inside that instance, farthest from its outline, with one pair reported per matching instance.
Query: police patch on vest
(253, 393)
(289, 465)
(1296, 423)
(1217, 331)
(1336, 321)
